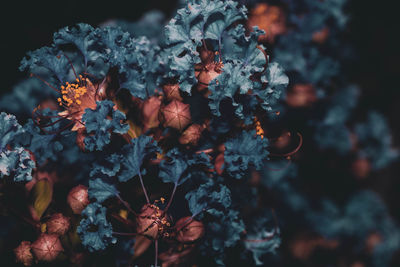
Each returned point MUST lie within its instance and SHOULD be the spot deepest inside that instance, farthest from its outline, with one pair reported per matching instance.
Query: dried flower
(78, 198)
(47, 247)
(23, 253)
(58, 224)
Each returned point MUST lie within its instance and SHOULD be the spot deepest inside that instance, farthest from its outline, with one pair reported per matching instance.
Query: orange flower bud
(47, 247)
(78, 198)
(23, 253)
(58, 224)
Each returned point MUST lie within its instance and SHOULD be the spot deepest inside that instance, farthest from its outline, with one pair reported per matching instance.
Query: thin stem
(172, 196)
(126, 204)
(125, 234)
(49, 85)
(70, 63)
(156, 253)
(144, 188)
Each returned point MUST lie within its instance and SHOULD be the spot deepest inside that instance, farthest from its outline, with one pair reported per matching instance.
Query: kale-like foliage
(101, 190)
(9, 129)
(50, 59)
(244, 151)
(260, 239)
(226, 227)
(94, 230)
(175, 169)
(98, 126)
(137, 60)
(375, 142)
(127, 164)
(82, 37)
(15, 161)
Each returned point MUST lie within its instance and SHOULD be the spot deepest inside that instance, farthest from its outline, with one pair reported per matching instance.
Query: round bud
(361, 168)
(189, 230)
(191, 135)
(301, 95)
(47, 247)
(176, 115)
(171, 92)
(58, 224)
(78, 198)
(23, 253)
(150, 111)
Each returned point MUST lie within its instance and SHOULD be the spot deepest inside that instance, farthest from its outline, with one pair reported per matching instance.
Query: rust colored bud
(189, 230)
(23, 253)
(372, 241)
(80, 137)
(58, 224)
(301, 95)
(207, 73)
(78, 198)
(150, 111)
(206, 56)
(269, 18)
(321, 36)
(171, 92)
(47, 247)
(191, 135)
(361, 168)
(219, 163)
(176, 115)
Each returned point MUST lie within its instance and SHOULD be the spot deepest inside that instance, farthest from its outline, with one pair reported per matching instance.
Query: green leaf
(42, 194)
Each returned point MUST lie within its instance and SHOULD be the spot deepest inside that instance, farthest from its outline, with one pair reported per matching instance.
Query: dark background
(372, 31)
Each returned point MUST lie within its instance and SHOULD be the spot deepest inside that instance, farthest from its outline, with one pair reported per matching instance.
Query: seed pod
(23, 253)
(150, 111)
(78, 198)
(191, 135)
(58, 224)
(171, 92)
(189, 230)
(47, 247)
(80, 138)
(176, 115)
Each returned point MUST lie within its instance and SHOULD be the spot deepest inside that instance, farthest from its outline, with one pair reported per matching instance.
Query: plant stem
(144, 188)
(172, 196)
(126, 204)
(156, 253)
